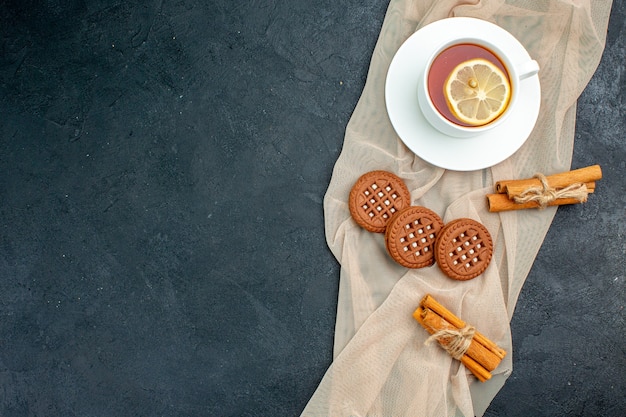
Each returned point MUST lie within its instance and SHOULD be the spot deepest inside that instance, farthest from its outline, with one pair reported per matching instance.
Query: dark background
(162, 248)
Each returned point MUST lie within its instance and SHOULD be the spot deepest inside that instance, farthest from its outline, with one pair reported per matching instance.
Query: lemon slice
(477, 92)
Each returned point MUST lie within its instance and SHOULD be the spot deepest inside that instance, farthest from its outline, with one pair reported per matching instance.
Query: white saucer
(458, 154)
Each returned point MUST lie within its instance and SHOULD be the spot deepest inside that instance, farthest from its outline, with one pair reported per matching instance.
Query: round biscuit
(463, 249)
(375, 198)
(410, 236)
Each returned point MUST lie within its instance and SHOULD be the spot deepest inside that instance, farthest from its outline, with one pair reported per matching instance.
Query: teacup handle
(527, 69)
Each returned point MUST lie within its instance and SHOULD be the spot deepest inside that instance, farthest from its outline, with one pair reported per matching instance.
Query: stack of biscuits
(416, 236)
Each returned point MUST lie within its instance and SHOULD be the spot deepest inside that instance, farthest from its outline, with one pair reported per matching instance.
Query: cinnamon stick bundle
(480, 357)
(508, 193)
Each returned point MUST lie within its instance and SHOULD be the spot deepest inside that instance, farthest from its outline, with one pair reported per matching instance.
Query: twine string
(457, 341)
(545, 194)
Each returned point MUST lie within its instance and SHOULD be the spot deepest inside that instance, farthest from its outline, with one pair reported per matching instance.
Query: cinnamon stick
(474, 367)
(429, 302)
(560, 180)
(500, 202)
(476, 351)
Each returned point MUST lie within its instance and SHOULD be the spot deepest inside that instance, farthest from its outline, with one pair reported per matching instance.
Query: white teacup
(516, 71)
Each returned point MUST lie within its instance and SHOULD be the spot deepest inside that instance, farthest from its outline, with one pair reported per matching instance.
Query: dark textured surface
(162, 250)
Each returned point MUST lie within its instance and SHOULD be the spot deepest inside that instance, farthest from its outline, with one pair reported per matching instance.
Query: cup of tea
(470, 85)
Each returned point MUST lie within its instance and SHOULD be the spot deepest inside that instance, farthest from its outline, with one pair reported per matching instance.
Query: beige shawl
(381, 366)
